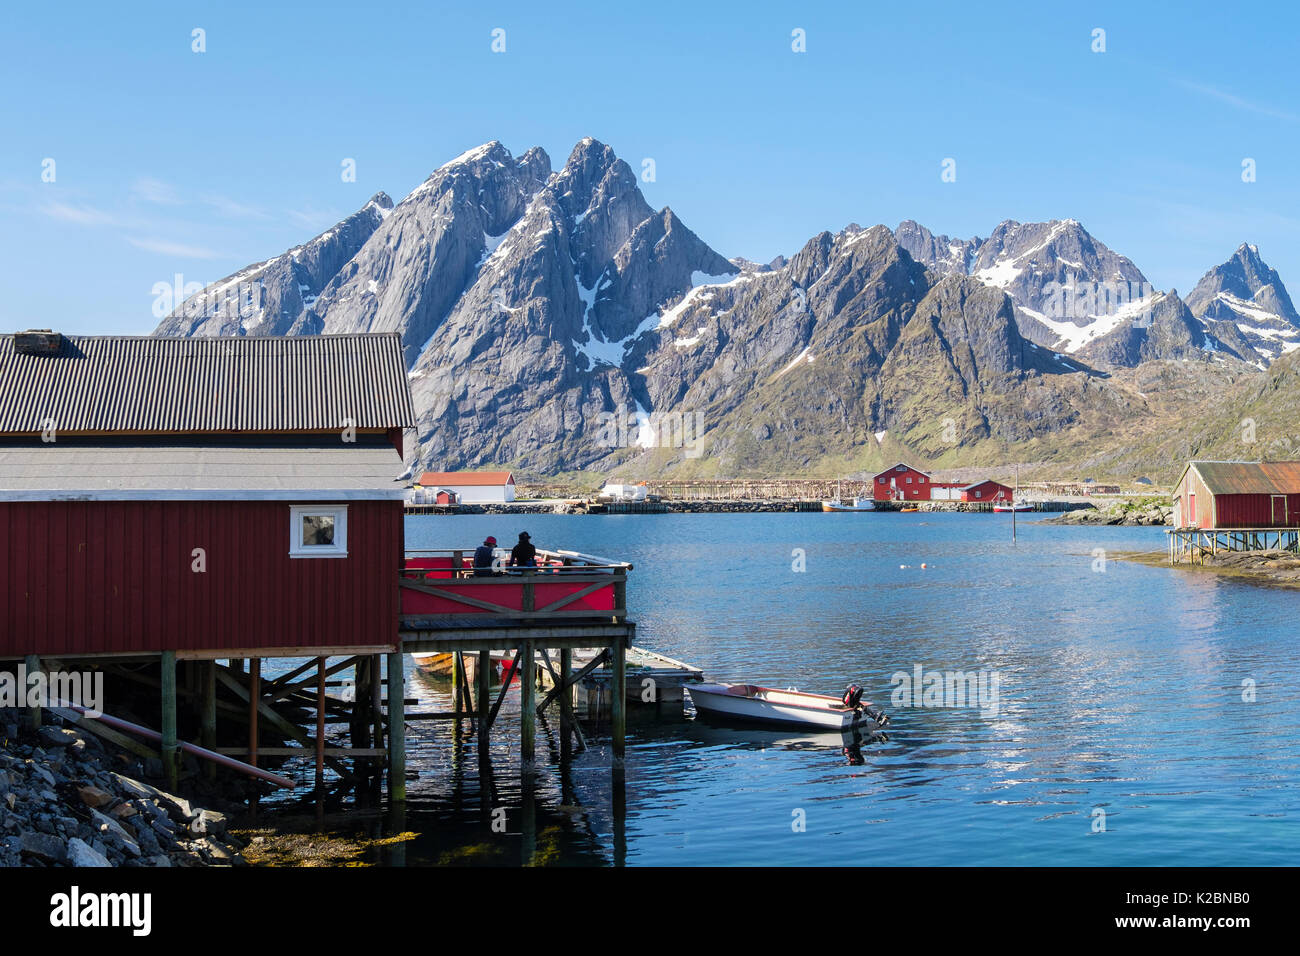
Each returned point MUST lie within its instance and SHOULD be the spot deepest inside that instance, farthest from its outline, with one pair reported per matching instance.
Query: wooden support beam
(566, 719)
(396, 729)
(286, 727)
(170, 748)
(32, 663)
(527, 671)
(618, 701)
(505, 686)
(558, 689)
(254, 705)
(208, 714)
(484, 692)
(320, 722)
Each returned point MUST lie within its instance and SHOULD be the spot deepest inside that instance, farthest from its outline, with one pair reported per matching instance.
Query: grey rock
(58, 736)
(115, 832)
(82, 854)
(44, 847)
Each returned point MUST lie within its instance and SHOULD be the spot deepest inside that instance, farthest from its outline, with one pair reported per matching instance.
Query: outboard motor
(878, 715)
(852, 695)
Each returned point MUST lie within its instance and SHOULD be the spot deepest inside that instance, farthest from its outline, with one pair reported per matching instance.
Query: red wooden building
(200, 494)
(986, 490)
(1238, 494)
(901, 483)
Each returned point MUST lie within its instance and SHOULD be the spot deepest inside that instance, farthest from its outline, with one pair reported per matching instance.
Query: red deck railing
(441, 588)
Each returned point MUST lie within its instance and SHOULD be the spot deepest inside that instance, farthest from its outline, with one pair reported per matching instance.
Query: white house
(473, 487)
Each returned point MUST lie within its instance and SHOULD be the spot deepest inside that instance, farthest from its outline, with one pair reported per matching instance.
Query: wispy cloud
(233, 209)
(1237, 102)
(168, 248)
(81, 215)
(314, 218)
(155, 191)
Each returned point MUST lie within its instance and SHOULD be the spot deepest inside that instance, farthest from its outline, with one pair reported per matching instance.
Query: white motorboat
(790, 707)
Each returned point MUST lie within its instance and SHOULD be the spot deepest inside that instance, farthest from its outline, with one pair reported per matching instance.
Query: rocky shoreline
(65, 801)
(1144, 512)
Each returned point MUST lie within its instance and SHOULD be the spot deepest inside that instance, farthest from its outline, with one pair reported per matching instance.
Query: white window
(909, 479)
(317, 531)
(979, 494)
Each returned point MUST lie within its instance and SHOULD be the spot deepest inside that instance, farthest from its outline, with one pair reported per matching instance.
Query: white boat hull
(787, 708)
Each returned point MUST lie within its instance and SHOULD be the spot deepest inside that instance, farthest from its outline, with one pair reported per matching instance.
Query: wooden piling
(170, 749)
(566, 725)
(484, 695)
(396, 729)
(208, 714)
(254, 698)
(32, 663)
(618, 700)
(320, 724)
(527, 706)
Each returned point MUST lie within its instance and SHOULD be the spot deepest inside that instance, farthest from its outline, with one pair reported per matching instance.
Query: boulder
(43, 846)
(81, 853)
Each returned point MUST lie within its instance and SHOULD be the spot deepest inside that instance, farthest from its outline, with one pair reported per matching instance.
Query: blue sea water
(1161, 703)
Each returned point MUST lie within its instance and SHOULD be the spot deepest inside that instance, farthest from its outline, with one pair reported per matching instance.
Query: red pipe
(120, 724)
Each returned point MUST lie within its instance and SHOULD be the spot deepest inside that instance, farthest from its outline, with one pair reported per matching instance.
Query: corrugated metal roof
(59, 472)
(465, 478)
(214, 384)
(1249, 477)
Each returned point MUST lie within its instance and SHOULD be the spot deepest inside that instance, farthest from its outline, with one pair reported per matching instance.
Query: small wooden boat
(431, 662)
(908, 511)
(788, 707)
(1018, 506)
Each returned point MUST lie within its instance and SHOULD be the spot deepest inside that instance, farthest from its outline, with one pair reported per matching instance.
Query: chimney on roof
(38, 342)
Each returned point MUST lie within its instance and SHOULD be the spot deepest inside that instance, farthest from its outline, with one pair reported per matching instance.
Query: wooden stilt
(527, 706)
(320, 724)
(170, 750)
(396, 729)
(484, 695)
(457, 683)
(208, 714)
(32, 663)
(618, 701)
(254, 696)
(566, 724)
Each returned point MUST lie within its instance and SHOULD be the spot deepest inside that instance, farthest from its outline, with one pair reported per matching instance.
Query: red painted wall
(989, 491)
(1248, 511)
(918, 490)
(90, 577)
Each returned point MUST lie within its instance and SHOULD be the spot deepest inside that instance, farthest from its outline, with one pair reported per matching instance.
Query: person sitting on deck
(485, 558)
(523, 555)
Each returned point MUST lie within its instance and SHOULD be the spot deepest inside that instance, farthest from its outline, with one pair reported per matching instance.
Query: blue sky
(168, 161)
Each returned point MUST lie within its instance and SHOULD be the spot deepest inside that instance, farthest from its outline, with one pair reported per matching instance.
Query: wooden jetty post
(618, 701)
(396, 729)
(566, 724)
(32, 663)
(527, 706)
(254, 697)
(208, 714)
(320, 725)
(170, 750)
(484, 675)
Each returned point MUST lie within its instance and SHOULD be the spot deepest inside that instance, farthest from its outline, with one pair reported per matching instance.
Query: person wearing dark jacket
(484, 556)
(523, 555)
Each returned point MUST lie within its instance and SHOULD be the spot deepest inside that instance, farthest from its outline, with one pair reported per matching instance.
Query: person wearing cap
(484, 555)
(523, 555)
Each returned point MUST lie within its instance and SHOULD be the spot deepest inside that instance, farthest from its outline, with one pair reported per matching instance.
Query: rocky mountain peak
(1249, 293)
